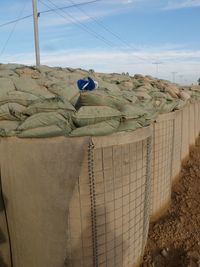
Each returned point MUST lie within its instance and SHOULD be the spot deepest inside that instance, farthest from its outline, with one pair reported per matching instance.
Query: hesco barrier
(109, 211)
(192, 136)
(185, 133)
(85, 202)
(176, 156)
(5, 259)
(163, 142)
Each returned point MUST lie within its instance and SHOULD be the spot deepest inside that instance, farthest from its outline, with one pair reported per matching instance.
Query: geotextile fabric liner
(185, 133)
(163, 140)
(109, 210)
(38, 178)
(5, 259)
(176, 160)
(192, 124)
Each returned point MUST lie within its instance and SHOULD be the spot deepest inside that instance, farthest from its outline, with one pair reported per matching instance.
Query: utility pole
(173, 75)
(36, 32)
(157, 63)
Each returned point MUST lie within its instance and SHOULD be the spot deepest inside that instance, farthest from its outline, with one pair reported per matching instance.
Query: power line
(92, 32)
(12, 30)
(98, 22)
(46, 11)
(80, 25)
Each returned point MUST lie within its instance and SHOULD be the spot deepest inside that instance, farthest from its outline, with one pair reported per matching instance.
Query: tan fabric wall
(38, 178)
(162, 164)
(185, 133)
(192, 124)
(109, 211)
(5, 259)
(176, 160)
(196, 119)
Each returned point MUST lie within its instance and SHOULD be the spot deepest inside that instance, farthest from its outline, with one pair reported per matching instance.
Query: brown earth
(174, 241)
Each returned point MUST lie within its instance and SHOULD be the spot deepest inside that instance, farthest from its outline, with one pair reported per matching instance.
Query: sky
(152, 37)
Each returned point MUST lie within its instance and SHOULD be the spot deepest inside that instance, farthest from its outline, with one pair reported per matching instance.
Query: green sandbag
(101, 128)
(43, 132)
(169, 107)
(91, 115)
(132, 111)
(67, 92)
(12, 111)
(48, 105)
(161, 95)
(18, 97)
(28, 85)
(100, 98)
(6, 85)
(8, 128)
(129, 125)
(130, 96)
(45, 119)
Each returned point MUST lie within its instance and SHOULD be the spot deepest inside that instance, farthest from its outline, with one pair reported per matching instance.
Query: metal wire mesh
(185, 133)
(192, 124)
(176, 161)
(108, 224)
(162, 165)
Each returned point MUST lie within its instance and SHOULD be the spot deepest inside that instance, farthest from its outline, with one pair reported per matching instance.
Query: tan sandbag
(184, 95)
(38, 180)
(6, 85)
(12, 111)
(28, 85)
(94, 114)
(45, 119)
(21, 98)
(49, 105)
(101, 128)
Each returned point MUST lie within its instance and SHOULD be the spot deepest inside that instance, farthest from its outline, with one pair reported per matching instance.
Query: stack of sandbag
(45, 101)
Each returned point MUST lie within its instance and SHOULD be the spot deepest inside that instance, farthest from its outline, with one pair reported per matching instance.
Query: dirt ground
(174, 241)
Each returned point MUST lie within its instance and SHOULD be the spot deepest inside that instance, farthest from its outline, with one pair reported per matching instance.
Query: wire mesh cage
(192, 124)
(109, 211)
(163, 139)
(185, 133)
(176, 160)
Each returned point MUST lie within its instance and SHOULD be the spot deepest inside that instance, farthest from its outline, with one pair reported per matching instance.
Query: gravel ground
(174, 241)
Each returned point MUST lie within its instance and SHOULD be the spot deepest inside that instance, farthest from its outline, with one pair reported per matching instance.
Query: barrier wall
(109, 211)
(85, 202)
(5, 260)
(163, 139)
(176, 156)
(185, 133)
(192, 127)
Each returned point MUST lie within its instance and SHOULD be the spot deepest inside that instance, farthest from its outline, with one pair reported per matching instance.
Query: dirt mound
(174, 241)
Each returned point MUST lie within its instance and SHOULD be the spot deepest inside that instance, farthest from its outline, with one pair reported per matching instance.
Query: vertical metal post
(36, 32)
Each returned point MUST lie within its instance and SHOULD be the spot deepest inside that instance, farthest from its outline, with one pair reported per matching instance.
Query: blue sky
(108, 36)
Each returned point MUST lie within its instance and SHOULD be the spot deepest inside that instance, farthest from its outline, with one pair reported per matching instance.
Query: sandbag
(6, 85)
(21, 98)
(8, 128)
(28, 85)
(101, 128)
(100, 98)
(48, 105)
(43, 132)
(12, 111)
(91, 115)
(68, 92)
(132, 111)
(129, 125)
(45, 119)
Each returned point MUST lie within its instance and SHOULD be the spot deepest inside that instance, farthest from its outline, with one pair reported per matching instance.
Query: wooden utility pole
(36, 32)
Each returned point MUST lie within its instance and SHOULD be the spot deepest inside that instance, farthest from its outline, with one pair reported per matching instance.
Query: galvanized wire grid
(185, 133)
(192, 124)
(176, 161)
(162, 165)
(106, 223)
(196, 119)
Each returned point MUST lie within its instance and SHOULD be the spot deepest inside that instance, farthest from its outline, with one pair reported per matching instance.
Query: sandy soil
(174, 241)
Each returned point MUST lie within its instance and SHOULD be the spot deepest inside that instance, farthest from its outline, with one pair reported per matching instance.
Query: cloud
(185, 62)
(182, 4)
